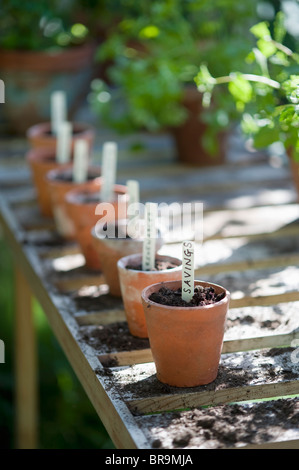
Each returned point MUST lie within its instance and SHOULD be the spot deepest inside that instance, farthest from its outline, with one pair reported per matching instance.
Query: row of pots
(186, 342)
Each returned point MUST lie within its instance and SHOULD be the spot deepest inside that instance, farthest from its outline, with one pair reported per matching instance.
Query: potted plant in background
(266, 97)
(153, 51)
(43, 46)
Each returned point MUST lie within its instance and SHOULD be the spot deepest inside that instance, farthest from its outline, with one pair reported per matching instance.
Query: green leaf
(279, 28)
(261, 30)
(266, 136)
(241, 89)
(204, 80)
(266, 47)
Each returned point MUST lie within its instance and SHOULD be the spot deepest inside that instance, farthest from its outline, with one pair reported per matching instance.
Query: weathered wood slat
(242, 376)
(247, 329)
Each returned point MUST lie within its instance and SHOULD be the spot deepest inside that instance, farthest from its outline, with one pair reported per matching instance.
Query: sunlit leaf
(261, 30)
(241, 89)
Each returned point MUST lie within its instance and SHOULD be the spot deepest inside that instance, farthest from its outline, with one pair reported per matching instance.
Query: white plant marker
(58, 110)
(80, 166)
(133, 193)
(109, 164)
(149, 243)
(188, 270)
(133, 227)
(64, 142)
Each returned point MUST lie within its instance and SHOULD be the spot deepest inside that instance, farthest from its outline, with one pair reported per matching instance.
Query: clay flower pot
(188, 137)
(186, 342)
(60, 182)
(133, 281)
(30, 76)
(41, 161)
(110, 250)
(294, 167)
(40, 135)
(81, 207)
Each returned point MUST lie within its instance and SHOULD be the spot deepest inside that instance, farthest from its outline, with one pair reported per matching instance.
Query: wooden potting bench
(250, 246)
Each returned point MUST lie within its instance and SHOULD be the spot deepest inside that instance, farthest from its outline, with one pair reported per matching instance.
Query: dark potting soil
(160, 265)
(113, 338)
(202, 296)
(67, 177)
(225, 425)
(74, 132)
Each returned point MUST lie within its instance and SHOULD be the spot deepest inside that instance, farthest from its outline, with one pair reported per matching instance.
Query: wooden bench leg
(26, 366)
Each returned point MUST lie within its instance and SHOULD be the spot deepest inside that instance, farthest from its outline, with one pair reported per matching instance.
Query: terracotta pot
(132, 283)
(41, 161)
(186, 342)
(40, 135)
(58, 188)
(84, 216)
(295, 174)
(110, 250)
(31, 76)
(188, 137)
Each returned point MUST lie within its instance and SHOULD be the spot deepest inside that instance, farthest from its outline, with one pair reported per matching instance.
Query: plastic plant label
(80, 167)
(64, 143)
(133, 193)
(109, 164)
(149, 243)
(187, 270)
(58, 110)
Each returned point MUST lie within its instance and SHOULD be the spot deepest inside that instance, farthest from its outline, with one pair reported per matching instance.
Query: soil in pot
(133, 279)
(82, 207)
(60, 182)
(202, 296)
(186, 341)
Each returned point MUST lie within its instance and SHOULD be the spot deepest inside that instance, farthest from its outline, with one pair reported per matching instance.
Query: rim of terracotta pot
(40, 154)
(43, 129)
(72, 196)
(147, 291)
(63, 59)
(51, 176)
(137, 259)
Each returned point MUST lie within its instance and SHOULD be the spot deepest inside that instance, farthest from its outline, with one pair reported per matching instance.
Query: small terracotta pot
(186, 342)
(40, 135)
(110, 250)
(84, 217)
(295, 174)
(58, 188)
(132, 283)
(41, 161)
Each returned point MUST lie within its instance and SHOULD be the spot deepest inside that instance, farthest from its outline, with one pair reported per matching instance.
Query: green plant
(154, 50)
(28, 25)
(266, 97)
